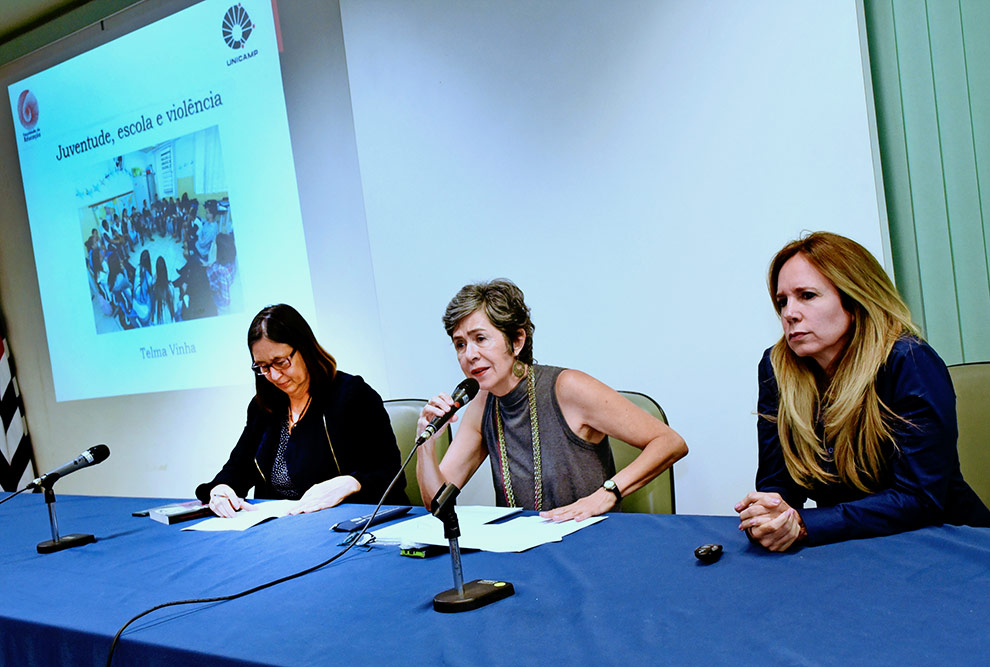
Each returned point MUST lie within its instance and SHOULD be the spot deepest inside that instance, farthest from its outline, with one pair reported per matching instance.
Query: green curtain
(930, 65)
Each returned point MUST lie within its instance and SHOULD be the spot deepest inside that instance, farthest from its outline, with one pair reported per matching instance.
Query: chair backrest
(404, 413)
(972, 385)
(657, 497)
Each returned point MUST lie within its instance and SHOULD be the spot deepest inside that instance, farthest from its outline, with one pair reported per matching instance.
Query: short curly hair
(503, 303)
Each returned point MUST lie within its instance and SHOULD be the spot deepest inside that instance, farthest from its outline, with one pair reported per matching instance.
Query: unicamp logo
(27, 109)
(27, 114)
(237, 27)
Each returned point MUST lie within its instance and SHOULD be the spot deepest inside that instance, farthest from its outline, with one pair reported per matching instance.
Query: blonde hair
(856, 421)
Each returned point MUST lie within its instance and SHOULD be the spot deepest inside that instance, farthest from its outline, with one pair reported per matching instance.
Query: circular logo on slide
(236, 27)
(27, 109)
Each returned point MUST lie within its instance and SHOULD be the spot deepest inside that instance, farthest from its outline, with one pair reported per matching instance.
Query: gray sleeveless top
(572, 468)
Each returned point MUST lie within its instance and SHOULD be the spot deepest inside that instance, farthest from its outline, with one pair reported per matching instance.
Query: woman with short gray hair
(545, 429)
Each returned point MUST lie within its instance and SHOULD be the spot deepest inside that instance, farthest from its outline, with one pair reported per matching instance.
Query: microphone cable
(224, 598)
(15, 493)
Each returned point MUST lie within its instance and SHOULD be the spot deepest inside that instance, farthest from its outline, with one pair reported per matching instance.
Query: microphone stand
(474, 594)
(59, 543)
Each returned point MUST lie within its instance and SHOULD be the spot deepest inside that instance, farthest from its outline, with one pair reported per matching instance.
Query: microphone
(90, 457)
(462, 393)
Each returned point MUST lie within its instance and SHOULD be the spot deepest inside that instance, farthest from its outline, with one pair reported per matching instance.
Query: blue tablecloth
(626, 590)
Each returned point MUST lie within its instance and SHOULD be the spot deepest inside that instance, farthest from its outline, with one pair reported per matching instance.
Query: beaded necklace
(534, 424)
(293, 422)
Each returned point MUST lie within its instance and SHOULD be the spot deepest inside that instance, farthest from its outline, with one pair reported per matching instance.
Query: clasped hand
(769, 520)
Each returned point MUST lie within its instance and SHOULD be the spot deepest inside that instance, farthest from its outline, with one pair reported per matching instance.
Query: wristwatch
(612, 487)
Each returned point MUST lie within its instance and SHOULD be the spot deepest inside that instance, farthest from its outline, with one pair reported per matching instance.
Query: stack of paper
(477, 531)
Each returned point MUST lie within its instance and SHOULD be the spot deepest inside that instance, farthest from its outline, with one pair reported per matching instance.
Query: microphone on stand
(462, 393)
(473, 594)
(463, 596)
(92, 456)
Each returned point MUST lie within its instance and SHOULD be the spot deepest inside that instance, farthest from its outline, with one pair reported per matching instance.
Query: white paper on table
(246, 518)
(520, 534)
(415, 529)
(523, 533)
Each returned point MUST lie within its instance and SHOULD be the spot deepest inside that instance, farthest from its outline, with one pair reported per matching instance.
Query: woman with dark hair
(314, 434)
(128, 238)
(162, 295)
(856, 411)
(195, 297)
(545, 429)
(142, 289)
(121, 295)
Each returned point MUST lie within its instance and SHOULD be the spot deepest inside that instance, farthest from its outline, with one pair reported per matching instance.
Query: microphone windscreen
(100, 453)
(466, 390)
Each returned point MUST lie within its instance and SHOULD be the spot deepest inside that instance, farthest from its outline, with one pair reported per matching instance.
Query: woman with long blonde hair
(856, 411)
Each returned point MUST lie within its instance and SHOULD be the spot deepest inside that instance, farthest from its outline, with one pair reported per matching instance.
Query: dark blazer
(351, 413)
(922, 484)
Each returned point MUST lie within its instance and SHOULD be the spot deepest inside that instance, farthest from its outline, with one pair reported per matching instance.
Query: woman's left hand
(326, 494)
(597, 503)
(769, 520)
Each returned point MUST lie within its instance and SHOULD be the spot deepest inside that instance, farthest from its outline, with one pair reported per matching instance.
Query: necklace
(534, 424)
(293, 422)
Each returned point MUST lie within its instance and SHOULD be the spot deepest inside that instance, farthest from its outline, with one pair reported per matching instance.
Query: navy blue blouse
(921, 485)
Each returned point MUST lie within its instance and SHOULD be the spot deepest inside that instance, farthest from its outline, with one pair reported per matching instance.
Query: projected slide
(138, 255)
(162, 201)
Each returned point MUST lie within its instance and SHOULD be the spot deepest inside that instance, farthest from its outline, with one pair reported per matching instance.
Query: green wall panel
(931, 85)
(969, 258)
(894, 162)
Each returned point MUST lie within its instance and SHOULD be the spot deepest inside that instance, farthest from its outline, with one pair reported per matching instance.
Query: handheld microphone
(90, 457)
(463, 393)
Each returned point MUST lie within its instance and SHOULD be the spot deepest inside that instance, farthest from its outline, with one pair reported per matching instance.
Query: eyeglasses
(281, 364)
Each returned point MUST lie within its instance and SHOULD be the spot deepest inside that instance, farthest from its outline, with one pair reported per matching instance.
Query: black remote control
(358, 522)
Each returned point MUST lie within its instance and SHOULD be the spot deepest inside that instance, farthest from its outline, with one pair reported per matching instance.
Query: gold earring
(518, 368)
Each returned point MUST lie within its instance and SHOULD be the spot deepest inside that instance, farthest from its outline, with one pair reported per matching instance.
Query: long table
(626, 590)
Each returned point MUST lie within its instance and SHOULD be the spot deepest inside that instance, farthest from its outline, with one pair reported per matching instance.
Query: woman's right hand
(225, 503)
(466, 451)
(437, 406)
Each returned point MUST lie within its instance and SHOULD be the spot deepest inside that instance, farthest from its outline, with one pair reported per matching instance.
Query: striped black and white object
(17, 467)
